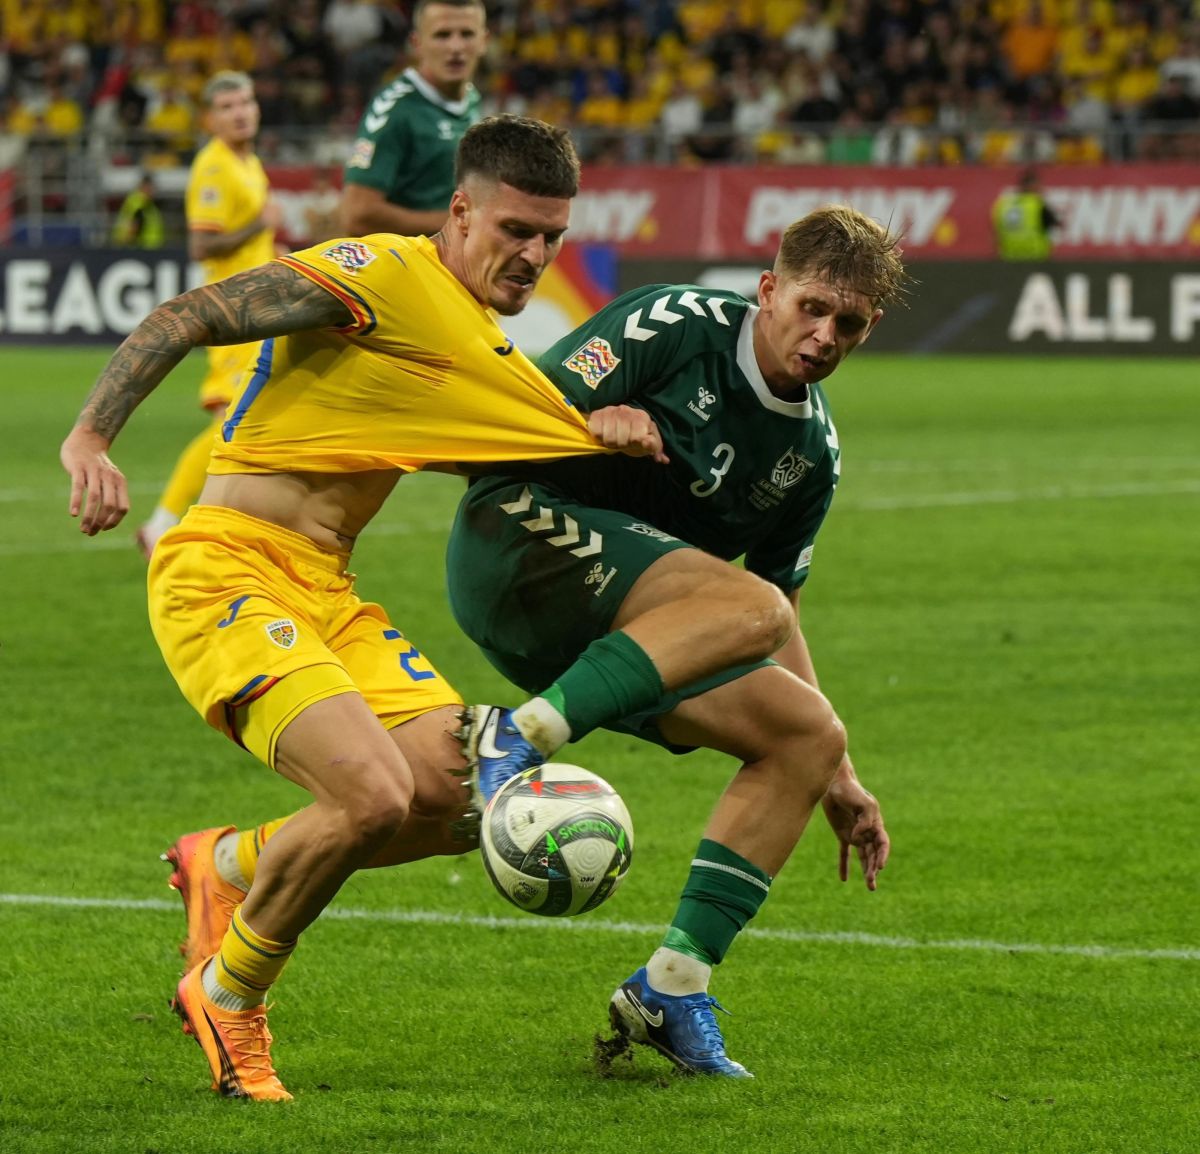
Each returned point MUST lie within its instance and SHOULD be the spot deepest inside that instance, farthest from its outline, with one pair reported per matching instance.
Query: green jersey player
(400, 175)
(603, 586)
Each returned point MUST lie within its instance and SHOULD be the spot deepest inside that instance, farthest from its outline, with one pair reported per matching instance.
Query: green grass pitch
(1003, 608)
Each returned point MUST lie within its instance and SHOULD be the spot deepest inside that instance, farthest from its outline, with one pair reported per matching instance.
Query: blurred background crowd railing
(95, 89)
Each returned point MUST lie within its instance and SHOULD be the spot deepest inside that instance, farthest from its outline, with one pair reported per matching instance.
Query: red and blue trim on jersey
(364, 315)
(251, 691)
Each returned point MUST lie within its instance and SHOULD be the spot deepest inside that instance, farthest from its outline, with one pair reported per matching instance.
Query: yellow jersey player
(231, 228)
(378, 356)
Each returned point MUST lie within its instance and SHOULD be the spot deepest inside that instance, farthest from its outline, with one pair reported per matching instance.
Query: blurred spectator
(1171, 117)
(139, 222)
(1088, 58)
(1023, 221)
(171, 123)
(62, 114)
(1030, 43)
(851, 141)
(714, 140)
(682, 113)
(810, 34)
(1184, 62)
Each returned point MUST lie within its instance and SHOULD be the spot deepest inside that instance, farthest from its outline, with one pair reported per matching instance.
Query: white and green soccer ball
(556, 840)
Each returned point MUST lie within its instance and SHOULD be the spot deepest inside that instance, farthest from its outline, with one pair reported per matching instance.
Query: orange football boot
(236, 1043)
(208, 899)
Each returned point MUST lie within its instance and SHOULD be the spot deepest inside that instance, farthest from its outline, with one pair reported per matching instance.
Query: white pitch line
(596, 925)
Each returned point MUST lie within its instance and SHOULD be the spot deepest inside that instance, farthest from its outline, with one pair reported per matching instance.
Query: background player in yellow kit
(231, 227)
(377, 356)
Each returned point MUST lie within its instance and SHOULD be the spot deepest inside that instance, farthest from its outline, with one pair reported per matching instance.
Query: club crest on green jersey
(593, 361)
(791, 468)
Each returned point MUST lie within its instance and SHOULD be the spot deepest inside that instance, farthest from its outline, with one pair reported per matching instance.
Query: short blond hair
(847, 248)
(227, 81)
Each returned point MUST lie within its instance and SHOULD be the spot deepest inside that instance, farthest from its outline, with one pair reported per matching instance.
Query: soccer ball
(556, 840)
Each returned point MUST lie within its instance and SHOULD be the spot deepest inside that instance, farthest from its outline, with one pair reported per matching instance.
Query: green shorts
(534, 577)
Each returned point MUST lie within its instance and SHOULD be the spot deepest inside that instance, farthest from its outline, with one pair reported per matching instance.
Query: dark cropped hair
(531, 156)
(848, 248)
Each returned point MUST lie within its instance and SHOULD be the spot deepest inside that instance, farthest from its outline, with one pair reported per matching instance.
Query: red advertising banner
(1126, 212)
(8, 192)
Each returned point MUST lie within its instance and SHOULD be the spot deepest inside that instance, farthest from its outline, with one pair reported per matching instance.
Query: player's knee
(818, 746)
(378, 808)
(765, 618)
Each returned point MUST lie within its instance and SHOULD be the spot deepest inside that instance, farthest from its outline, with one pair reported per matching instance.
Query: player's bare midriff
(329, 508)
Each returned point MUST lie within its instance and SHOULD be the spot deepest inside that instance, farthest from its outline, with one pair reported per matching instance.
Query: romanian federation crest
(350, 255)
(790, 468)
(282, 632)
(593, 362)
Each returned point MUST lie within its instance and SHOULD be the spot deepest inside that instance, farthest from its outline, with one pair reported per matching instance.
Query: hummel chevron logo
(655, 1019)
(377, 116)
(544, 522)
(520, 505)
(541, 523)
(661, 311)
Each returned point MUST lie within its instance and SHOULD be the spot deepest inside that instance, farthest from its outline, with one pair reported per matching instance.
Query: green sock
(612, 678)
(723, 892)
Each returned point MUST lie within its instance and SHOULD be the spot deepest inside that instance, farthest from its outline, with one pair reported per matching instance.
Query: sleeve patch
(805, 558)
(209, 194)
(350, 255)
(593, 361)
(362, 154)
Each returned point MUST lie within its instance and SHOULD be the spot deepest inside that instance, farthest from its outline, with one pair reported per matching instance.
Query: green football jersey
(406, 142)
(750, 474)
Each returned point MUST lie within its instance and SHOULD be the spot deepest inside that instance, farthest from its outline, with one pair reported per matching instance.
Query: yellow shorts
(256, 622)
(226, 364)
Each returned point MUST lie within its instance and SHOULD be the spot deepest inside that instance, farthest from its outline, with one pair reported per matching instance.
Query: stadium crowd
(790, 81)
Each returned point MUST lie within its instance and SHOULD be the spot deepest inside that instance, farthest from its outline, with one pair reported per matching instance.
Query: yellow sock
(187, 478)
(250, 844)
(246, 967)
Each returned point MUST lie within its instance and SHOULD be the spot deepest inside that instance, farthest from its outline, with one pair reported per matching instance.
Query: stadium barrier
(1127, 211)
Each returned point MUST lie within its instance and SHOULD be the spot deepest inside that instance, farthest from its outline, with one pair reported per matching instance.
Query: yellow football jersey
(423, 375)
(226, 192)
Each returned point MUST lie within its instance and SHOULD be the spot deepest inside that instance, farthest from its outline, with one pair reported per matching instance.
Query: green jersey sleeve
(383, 143)
(640, 339)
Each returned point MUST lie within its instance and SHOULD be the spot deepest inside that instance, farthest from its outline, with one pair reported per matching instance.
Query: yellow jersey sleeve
(423, 374)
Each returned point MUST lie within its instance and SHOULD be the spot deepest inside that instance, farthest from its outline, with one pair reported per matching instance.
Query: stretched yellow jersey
(423, 375)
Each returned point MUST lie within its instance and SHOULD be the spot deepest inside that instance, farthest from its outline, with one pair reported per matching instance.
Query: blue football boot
(683, 1029)
(495, 751)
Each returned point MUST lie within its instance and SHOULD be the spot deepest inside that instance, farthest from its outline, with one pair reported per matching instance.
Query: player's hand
(98, 487)
(628, 429)
(854, 815)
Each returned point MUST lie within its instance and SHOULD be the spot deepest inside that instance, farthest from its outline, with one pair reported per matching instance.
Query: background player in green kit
(602, 585)
(400, 175)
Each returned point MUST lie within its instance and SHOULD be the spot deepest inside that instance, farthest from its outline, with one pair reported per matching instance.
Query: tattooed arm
(270, 301)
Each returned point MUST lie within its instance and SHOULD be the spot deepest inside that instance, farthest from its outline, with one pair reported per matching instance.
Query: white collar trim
(748, 363)
(454, 107)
